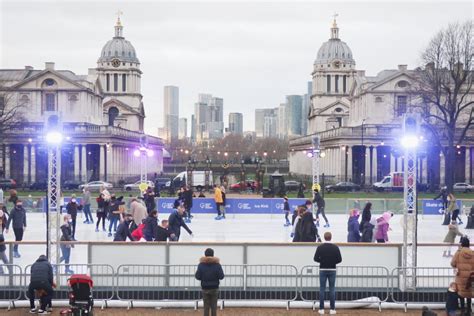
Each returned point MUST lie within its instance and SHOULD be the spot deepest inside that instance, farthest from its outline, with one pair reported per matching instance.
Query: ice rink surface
(245, 228)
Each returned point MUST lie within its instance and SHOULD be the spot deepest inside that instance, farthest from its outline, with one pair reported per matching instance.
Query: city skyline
(269, 55)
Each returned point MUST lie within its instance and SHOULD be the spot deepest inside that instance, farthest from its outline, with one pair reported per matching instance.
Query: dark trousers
(455, 215)
(286, 216)
(381, 241)
(87, 213)
(113, 222)
(18, 237)
(73, 224)
(330, 276)
(100, 216)
(218, 205)
(210, 301)
(321, 211)
(188, 212)
(45, 300)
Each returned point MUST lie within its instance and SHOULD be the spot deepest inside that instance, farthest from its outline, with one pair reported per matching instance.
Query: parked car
(292, 185)
(7, 184)
(39, 186)
(342, 187)
(135, 186)
(71, 185)
(462, 187)
(250, 185)
(162, 183)
(96, 185)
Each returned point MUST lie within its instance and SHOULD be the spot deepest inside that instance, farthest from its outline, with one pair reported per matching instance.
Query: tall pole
(315, 164)
(363, 153)
(53, 211)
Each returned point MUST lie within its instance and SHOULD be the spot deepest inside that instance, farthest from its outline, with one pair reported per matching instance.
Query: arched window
(113, 113)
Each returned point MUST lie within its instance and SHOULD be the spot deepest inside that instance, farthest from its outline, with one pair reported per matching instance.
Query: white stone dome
(334, 49)
(118, 48)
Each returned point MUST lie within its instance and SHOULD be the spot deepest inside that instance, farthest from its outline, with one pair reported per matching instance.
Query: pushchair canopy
(80, 279)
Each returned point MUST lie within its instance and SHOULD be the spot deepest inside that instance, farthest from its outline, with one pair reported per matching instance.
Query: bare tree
(443, 90)
(11, 112)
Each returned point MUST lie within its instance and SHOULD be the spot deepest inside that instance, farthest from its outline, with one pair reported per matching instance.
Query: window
(336, 83)
(403, 84)
(124, 82)
(49, 82)
(113, 113)
(344, 83)
(328, 83)
(50, 102)
(401, 105)
(378, 99)
(107, 81)
(115, 82)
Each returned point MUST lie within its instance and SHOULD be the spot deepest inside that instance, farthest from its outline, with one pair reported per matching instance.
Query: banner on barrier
(435, 207)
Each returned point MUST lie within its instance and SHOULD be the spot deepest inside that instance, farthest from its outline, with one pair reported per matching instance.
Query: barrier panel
(10, 282)
(431, 284)
(353, 283)
(103, 276)
(178, 282)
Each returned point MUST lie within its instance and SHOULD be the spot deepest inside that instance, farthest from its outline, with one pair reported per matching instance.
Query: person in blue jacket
(151, 226)
(176, 221)
(209, 272)
(353, 233)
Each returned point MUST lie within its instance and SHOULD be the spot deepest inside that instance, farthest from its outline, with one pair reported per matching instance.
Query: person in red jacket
(137, 234)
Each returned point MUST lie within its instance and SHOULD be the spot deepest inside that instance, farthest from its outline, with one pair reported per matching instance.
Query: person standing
(306, 230)
(218, 200)
(151, 226)
(223, 201)
(114, 213)
(123, 229)
(66, 235)
(463, 261)
(86, 202)
(18, 217)
(41, 279)
(176, 221)
(101, 212)
(381, 235)
(443, 196)
(72, 207)
(149, 198)
(188, 203)
(3, 255)
(209, 272)
(138, 211)
(3, 218)
(328, 255)
(453, 208)
(453, 231)
(368, 232)
(366, 215)
(318, 199)
(353, 233)
(286, 209)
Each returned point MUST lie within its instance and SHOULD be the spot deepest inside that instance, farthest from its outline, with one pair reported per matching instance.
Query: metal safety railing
(11, 283)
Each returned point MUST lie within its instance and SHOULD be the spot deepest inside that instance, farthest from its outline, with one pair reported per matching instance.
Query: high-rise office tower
(236, 122)
(171, 112)
(183, 127)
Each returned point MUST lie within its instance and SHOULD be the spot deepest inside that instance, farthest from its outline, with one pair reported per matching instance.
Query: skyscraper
(171, 112)
(305, 108)
(236, 123)
(282, 124)
(294, 105)
(265, 122)
(209, 116)
(183, 127)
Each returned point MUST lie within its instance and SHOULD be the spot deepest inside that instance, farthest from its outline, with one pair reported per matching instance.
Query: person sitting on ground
(209, 272)
(176, 222)
(163, 233)
(41, 279)
(123, 229)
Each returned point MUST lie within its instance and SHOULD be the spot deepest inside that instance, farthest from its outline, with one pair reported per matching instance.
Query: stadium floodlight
(309, 154)
(149, 153)
(322, 154)
(54, 137)
(136, 153)
(410, 141)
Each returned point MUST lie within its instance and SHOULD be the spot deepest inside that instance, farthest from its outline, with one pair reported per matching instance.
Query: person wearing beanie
(463, 261)
(209, 272)
(353, 233)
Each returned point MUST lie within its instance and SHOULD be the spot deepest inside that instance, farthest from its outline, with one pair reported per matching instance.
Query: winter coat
(66, 232)
(114, 211)
(209, 272)
(443, 195)
(366, 216)
(150, 202)
(353, 234)
(463, 260)
(217, 195)
(72, 208)
(286, 206)
(42, 271)
(151, 225)
(452, 206)
(452, 301)
(123, 231)
(382, 229)
(138, 211)
(305, 230)
(137, 234)
(452, 233)
(3, 219)
(3, 248)
(318, 199)
(367, 232)
(188, 199)
(176, 222)
(18, 217)
(328, 255)
(162, 234)
(86, 198)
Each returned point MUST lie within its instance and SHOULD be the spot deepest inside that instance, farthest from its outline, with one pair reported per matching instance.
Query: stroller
(80, 295)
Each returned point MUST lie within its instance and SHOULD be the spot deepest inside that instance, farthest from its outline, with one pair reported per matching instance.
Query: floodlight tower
(409, 142)
(144, 153)
(315, 164)
(54, 137)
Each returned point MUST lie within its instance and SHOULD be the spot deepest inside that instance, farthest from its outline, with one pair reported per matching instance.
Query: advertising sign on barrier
(433, 207)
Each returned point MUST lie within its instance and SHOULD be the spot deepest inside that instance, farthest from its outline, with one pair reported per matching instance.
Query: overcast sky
(251, 54)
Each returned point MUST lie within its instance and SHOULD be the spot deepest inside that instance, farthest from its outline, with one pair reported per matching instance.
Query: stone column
(442, 166)
(367, 165)
(392, 162)
(25, 164)
(33, 163)
(77, 163)
(424, 170)
(467, 169)
(83, 163)
(7, 161)
(349, 163)
(374, 164)
(102, 162)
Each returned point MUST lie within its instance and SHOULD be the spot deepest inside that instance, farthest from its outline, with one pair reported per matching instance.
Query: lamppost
(189, 171)
(242, 174)
(207, 172)
(363, 155)
(143, 153)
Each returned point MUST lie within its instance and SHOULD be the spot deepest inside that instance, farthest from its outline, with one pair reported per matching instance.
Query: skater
(318, 199)
(123, 229)
(163, 233)
(102, 205)
(86, 205)
(286, 209)
(382, 227)
(223, 201)
(149, 198)
(151, 226)
(300, 210)
(353, 233)
(3, 218)
(72, 207)
(66, 235)
(115, 209)
(18, 217)
(209, 272)
(443, 196)
(452, 300)
(463, 261)
(366, 215)
(218, 200)
(41, 279)
(137, 234)
(450, 238)
(368, 231)
(188, 203)
(176, 222)
(306, 230)
(453, 208)
(138, 211)
(3, 255)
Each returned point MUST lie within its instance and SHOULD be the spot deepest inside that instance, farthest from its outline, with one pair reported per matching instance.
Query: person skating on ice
(321, 204)
(453, 231)
(286, 209)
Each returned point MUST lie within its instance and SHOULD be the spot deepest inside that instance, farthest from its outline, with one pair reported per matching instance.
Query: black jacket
(66, 232)
(366, 216)
(318, 199)
(72, 208)
(123, 231)
(151, 227)
(175, 222)
(443, 194)
(286, 206)
(209, 272)
(162, 234)
(367, 232)
(42, 271)
(452, 300)
(2, 243)
(305, 230)
(188, 198)
(328, 255)
(18, 216)
(150, 202)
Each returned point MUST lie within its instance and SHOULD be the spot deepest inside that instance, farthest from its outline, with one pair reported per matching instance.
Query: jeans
(18, 237)
(210, 301)
(87, 213)
(73, 225)
(113, 222)
(3, 257)
(66, 254)
(218, 205)
(331, 277)
(321, 211)
(46, 299)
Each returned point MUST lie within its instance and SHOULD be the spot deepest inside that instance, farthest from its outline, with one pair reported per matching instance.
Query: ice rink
(245, 228)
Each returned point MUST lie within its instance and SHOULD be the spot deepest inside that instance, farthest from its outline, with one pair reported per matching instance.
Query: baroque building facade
(102, 115)
(358, 119)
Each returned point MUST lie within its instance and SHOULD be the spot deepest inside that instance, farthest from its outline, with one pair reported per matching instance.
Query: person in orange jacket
(218, 200)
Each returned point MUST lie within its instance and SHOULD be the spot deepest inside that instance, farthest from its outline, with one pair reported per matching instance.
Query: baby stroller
(80, 295)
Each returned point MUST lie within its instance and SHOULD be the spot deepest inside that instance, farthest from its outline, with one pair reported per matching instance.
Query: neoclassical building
(358, 118)
(102, 115)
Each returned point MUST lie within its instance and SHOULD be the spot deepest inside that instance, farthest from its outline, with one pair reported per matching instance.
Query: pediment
(122, 107)
(36, 81)
(338, 107)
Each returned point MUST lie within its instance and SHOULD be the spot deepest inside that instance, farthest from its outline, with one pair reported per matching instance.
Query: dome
(334, 49)
(118, 48)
